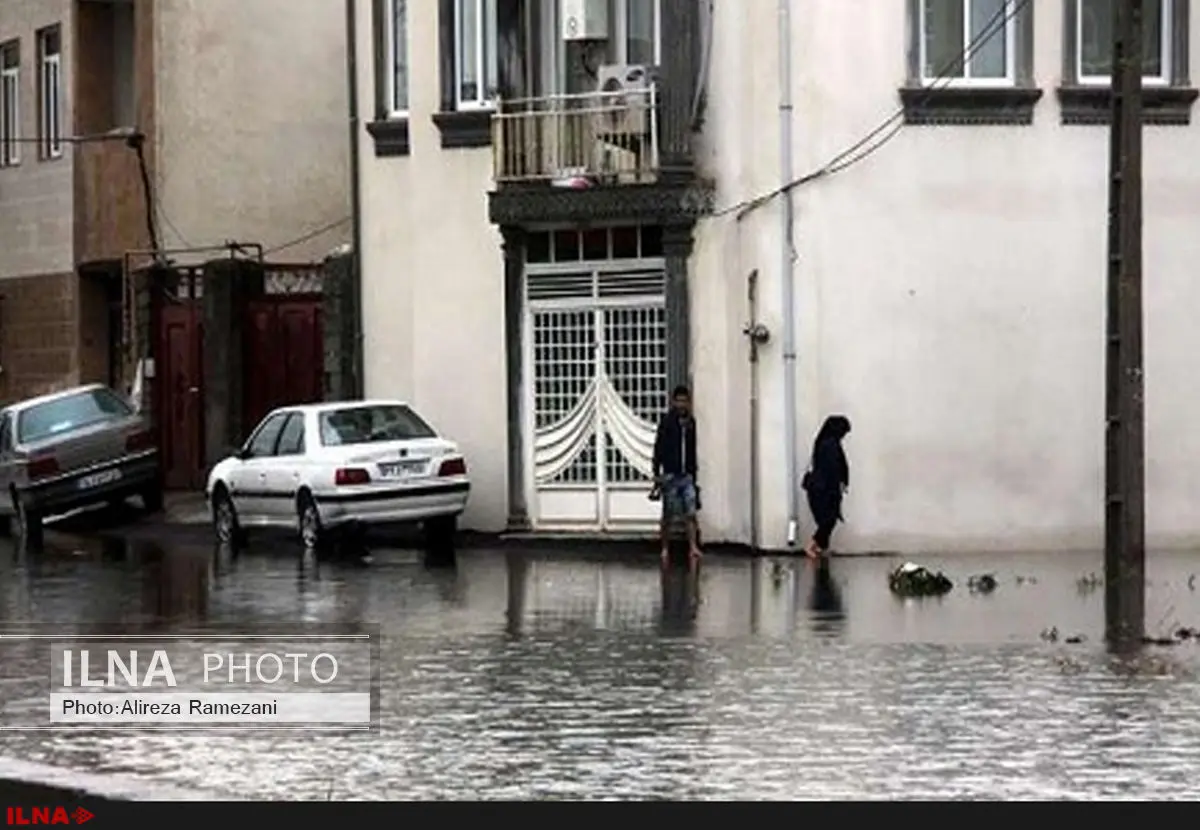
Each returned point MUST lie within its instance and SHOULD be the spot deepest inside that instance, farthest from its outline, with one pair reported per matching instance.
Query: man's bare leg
(694, 552)
(664, 530)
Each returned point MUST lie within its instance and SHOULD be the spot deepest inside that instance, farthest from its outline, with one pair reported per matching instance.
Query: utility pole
(1124, 520)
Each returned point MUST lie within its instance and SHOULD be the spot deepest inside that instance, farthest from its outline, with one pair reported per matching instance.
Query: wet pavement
(514, 674)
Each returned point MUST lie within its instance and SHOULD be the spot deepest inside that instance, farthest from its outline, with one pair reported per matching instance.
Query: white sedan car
(323, 467)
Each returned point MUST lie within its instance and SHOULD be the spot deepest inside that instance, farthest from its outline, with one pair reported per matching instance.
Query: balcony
(578, 141)
(110, 216)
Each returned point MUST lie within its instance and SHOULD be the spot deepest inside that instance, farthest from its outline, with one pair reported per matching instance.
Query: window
(477, 66)
(67, 414)
(368, 424)
(1085, 96)
(970, 62)
(10, 104)
(50, 92)
(291, 439)
(1095, 35)
(262, 442)
(389, 29)
(397, 57)
(967, 41)
(639, 23)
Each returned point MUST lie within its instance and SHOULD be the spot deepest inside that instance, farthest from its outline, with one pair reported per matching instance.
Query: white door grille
(598, 355)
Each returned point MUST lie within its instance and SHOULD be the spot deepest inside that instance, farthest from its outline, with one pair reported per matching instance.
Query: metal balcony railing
(578, 140)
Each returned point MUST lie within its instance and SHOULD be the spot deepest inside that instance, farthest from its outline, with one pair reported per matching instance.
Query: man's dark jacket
(675, 445)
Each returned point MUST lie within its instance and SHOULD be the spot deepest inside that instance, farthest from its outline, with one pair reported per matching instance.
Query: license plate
(97, 479)
(401, 469)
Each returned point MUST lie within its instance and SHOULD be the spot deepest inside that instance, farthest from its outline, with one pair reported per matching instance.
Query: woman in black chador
(826, 482)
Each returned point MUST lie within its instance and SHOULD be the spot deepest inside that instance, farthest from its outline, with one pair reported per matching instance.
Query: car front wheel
(309, 521)
(225, 520)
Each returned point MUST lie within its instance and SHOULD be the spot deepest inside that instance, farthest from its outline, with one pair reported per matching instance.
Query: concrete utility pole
(1124, 521)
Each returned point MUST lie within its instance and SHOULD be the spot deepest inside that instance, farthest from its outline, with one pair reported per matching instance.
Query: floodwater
(536, 675)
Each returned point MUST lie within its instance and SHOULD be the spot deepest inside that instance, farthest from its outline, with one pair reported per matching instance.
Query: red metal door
(179, 381)
(284, 355)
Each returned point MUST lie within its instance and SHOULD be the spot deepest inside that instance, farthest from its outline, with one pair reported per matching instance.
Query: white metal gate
(596, 354)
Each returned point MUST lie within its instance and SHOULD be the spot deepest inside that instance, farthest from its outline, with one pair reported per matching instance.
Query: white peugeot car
(325, 467)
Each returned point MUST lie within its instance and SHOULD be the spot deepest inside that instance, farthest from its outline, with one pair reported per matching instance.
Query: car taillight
(139, 441)
(351, 475)
(42, 467)
(453, 467)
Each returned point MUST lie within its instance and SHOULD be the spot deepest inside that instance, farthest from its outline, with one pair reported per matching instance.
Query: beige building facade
(234, 147)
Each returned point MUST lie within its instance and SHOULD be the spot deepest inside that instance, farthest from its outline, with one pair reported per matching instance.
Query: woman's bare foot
(811, 551)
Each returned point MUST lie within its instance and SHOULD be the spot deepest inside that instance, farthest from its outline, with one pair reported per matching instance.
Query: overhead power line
(874, 140)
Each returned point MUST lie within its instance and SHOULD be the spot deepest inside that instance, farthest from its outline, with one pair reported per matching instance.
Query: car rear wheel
(152, 498)
(225, 520)
(309, 521)
(27, 522)
(440, 532)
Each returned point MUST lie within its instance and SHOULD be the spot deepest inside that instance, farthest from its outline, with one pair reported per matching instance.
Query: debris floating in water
(982, 584)
(912, 580)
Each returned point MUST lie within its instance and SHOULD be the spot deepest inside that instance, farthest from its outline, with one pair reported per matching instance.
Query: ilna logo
(48, 815)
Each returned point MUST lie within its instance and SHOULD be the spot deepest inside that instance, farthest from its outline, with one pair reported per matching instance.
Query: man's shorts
(678, 496)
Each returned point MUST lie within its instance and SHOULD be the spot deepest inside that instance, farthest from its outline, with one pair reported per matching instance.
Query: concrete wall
(251, 108)
(433, 279)
(35, 197)
(950, 292)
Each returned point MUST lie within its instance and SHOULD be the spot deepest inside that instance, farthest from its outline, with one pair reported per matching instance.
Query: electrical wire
(313, 234)
(890, 127)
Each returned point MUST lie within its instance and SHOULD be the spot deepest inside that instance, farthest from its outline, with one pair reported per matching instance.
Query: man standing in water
(675, 471)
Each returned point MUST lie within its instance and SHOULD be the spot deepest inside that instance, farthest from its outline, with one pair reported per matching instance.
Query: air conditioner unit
(584, 19)
(624, 100)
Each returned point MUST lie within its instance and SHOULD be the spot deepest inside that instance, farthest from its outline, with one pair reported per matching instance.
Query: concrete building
(237, 146)
(541, 262)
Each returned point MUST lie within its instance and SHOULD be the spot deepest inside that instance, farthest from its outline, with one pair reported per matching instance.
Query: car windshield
(67, 414)
(368, 424)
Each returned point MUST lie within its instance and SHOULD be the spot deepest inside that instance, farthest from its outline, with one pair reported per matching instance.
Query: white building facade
(541, 264)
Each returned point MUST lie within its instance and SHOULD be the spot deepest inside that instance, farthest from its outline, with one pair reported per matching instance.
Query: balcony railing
(578, 140)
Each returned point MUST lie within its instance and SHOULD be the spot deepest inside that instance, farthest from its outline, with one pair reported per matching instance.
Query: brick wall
(38, 335)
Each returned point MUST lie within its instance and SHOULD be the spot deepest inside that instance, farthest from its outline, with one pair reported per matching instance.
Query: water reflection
(680, 600)
(825, 600)
(534, 675)
(174, 585)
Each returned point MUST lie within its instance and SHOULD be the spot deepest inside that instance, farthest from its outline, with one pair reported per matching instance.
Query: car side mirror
(243, 454)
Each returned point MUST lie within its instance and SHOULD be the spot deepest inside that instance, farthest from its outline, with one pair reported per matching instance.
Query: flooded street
(540, 675)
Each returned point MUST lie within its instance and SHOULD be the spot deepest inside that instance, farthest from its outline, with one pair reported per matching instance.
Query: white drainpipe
(787, 272)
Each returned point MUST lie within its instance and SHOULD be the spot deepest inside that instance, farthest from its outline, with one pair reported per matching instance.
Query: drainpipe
(758, 335)
(355, 195)
(787, 261)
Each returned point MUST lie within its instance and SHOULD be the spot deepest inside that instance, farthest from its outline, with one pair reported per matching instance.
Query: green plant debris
(911, 580)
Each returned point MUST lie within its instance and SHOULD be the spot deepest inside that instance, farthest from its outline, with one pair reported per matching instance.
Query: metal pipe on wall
(786, 262)
(355, 191)
(752, 298)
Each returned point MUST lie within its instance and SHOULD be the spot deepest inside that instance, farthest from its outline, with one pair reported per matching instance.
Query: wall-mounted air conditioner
(584, 19)
(625, 100)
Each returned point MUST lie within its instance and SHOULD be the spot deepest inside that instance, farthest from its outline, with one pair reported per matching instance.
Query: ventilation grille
(590, 285)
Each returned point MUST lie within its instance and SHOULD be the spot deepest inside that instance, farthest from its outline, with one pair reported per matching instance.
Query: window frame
(482, 28)
(282, 417)
(620, 26)
(10, 97)
(293, 417)
(50, 114)
(1009, 79)
(1166, 46)
(392, 93)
